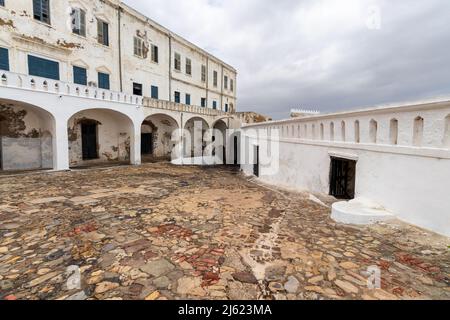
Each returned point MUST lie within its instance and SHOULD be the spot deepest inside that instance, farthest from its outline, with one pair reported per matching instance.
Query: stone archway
(26, 137)
(220, 128)
(99, 136)
(194, 140)
(156, 137)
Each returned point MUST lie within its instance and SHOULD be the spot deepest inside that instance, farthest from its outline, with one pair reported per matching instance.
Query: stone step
(359, 212)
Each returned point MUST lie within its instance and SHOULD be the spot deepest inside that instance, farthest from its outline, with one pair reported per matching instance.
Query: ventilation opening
(343, 136)
(394, 132)
(332, 131)
(418, 132)
(357, 135)
(256, 161)
(373, 132)
(447, 132)
(342, 178)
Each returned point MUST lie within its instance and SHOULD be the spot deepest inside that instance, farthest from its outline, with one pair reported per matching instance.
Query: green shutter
(79, 76)
(4, 59)
(43, 68)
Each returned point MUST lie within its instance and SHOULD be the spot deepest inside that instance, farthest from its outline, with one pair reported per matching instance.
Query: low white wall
(412, 182)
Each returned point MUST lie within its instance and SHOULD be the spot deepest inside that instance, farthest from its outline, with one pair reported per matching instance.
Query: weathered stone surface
(136, 233)
(158, 267)
(245, 277)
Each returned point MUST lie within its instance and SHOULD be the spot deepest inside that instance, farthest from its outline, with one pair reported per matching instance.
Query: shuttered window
(103, 33)
(188, 99)
(79, 75)
(41, 10)
(79, 22)
(2, 3)
(203, 102)
(177, 62)
(177, 97)
(138, 47)
(214, 104)
(155, 94)
(155, 57)
(103, 81)
(4, 59)
(203, 73)
(43, 68)
(231, 85)
(188, 66)
(137, 89)
(215, 79)
(226, 82)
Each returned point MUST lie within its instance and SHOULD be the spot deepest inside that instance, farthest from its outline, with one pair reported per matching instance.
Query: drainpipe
(170, 67)
(119, 10)
(207, 81)
(221, 91)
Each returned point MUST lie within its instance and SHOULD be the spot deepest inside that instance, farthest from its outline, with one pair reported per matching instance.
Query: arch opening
(156, 137)
(220, 127)
(393, 132)
(26, 137)
(332, 131)
(357, 132)
(343, 133)
(194, 139)
(418, 132)
(447, 132)
(98, 137)
(373, 131)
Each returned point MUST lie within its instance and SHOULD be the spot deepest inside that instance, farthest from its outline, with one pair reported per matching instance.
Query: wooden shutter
(4, 59)
(43, 68)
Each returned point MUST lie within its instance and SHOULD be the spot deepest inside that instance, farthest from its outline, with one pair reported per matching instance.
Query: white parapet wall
(402, 155)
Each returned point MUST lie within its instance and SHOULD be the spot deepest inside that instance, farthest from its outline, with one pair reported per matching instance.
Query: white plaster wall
(410, 181)
(113, 136)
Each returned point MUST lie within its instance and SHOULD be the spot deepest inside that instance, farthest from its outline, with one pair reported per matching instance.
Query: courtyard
(159, 231)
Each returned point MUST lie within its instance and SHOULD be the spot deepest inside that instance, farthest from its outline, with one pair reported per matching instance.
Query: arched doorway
(220, 127)
(194, 142)
(26, 137)
(156, 137)
(99, 136)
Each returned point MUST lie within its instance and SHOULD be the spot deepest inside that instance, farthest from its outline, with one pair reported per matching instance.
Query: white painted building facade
(84, 82)
(400, 153)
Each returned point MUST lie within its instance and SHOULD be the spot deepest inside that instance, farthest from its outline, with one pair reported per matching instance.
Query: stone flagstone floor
(165, 232)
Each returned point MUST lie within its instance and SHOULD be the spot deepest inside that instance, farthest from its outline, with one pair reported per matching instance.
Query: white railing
(34, 83)
(28, 82)
(417, 126)
(172, 106)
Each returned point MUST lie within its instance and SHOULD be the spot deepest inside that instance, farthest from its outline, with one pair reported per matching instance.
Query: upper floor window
(231, 85)
(43, 68)
(203, 102)
(78, 21)
(103, 81)
(155, 54)
(103, 32)
(138, 47)
(203, 73)
(225, 80)
(155, 92)
(137, 89)
(188, 99)
(215, 78)
(177, 97)
(4, 59)
(79, 75)
(41, 10)
(2, 3)
(188, 66)
(177, 64)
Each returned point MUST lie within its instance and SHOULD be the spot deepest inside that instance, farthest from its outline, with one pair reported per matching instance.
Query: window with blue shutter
(43, 68)
(214, 104)
(41, 10)
(2, 3)
(4, 59)
(203, 102)
(79, 76)
(188, 99)
(155, 94)
(177, 97)
(103, 81)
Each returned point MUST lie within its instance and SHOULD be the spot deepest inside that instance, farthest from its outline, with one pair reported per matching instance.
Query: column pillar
(60, 145)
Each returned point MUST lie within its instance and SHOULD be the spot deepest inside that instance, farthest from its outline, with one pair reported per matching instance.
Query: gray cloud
(318, 54)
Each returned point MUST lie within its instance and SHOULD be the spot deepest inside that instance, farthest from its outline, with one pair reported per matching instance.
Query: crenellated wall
(402, 154)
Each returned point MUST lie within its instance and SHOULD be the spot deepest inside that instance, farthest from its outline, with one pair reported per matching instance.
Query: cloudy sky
(319, 54)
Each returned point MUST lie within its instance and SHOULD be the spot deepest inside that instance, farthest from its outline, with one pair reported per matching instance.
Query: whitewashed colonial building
(86, 81)
(392, 160)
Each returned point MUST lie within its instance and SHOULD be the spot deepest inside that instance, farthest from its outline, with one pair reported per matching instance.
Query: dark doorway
(236, 150)
(89, 140)
(256, 163)
(147, 143)
(342, 178)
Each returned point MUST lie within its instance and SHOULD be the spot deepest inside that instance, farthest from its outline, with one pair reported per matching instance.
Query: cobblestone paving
(165, 232)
